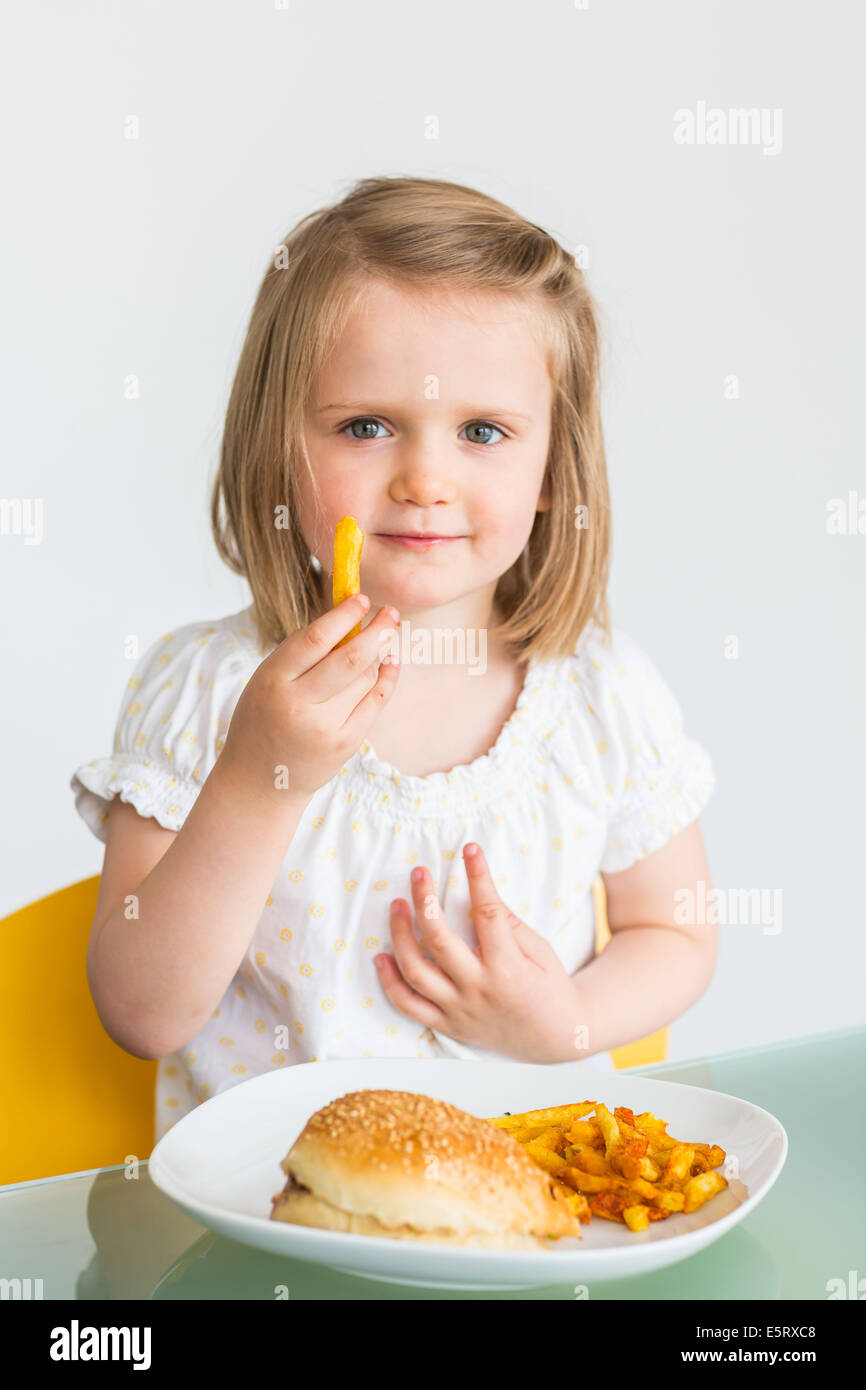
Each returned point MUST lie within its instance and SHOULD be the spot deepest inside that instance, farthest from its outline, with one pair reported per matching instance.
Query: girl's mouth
(418, 542)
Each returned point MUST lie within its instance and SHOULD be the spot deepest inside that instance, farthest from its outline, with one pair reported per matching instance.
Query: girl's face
(432, 414)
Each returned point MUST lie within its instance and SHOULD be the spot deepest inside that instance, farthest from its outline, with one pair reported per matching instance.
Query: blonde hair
(415, 232)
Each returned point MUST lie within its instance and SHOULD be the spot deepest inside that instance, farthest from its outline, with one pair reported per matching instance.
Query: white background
(143, 257)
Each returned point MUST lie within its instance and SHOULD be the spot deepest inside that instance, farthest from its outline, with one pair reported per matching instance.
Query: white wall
(143, 256)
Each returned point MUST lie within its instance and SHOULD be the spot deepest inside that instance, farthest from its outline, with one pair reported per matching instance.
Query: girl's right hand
(309, 705)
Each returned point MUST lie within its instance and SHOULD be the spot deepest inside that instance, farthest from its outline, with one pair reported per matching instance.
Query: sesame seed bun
(398, 1164)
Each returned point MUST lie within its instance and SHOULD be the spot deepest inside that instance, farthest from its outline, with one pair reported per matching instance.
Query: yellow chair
(73, 1099)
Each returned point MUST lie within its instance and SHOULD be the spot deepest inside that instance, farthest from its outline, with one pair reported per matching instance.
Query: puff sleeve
(657, 778)
(173, 718)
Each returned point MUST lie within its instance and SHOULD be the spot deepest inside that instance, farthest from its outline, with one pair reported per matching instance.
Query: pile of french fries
(619, 1165)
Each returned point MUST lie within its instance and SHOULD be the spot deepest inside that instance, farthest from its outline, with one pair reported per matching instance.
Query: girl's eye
(365, 422)
(484, 425)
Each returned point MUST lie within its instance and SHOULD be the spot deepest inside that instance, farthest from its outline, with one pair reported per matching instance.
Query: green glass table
(106, 1234)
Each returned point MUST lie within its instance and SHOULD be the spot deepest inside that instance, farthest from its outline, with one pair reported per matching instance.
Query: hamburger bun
(402, 1165)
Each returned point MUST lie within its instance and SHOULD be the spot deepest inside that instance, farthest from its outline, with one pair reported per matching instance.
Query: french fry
(645, 1189)
(592, 1182)
(576, 1200)
(635, 1142)
(700, 1189)
(552, 1138)
(348, 544)
(625, 1162)
(668, 1201)
(545, 1158)
(609, 1128)
(636, 1218)
(589, 1160)
(655, 1130)
(678, 1168)
(714, 1156)
(625, 1146)
(553, 1115)
(650, 1169)
(524, 1133)
(585, 1132)
(610, 1205)
(580, 1206)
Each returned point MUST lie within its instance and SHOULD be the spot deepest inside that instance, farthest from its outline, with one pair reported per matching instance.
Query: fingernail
(471, 849)
(393, 611)
(364, 601)
(417, 875)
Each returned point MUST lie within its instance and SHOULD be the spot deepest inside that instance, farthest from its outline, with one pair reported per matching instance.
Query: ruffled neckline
(382, 784)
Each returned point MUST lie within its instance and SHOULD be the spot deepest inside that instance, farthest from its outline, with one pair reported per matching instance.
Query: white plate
(220, 1164)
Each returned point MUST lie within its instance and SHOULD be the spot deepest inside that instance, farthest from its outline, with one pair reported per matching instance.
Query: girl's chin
(411, 604)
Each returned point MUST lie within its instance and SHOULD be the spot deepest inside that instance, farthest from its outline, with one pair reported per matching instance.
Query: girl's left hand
(511, 994)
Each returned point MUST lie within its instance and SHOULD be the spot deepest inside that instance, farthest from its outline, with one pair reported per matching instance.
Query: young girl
(316, 852)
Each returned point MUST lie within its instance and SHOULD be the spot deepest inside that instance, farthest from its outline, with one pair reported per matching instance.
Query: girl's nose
(423, 484)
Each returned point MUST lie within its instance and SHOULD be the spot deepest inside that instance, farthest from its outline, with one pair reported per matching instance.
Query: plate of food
(471, 1174)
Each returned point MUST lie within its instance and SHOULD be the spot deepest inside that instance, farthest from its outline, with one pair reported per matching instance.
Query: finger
(422, 975)
(307, 646)
(493, 921)
(447, 948)
(368, 706)
(428, 977)
(338, 671)
(406, 999)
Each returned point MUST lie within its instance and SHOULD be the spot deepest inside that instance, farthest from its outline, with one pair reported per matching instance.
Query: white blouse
(591, 772)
